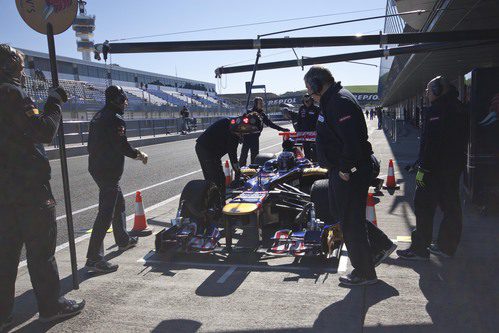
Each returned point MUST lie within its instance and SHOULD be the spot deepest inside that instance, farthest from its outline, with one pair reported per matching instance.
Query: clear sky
(126, 18)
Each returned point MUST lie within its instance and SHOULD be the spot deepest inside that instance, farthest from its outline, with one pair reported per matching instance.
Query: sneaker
(410, 254)
(101, 266)
(433, 248)
(67, 308)
(352, 280)
(131, 243)
(5, 325)
(380, 257)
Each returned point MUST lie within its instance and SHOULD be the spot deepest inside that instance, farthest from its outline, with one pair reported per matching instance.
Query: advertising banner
(362, 98)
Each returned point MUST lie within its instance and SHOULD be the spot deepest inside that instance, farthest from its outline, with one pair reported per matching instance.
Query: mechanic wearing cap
(252, 141)
(307, 122)
(442, 158)
(220, 138)
(343, 146)
(107, 148)
(26, 200)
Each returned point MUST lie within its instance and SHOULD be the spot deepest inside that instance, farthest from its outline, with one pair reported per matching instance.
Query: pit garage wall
(479, 91)
(482, 169)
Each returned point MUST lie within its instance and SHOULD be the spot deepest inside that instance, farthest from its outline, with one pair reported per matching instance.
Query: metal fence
(76, 132)
(390, 125)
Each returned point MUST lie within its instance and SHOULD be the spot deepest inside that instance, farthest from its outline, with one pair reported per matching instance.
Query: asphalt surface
(256, 292)
(171, 165)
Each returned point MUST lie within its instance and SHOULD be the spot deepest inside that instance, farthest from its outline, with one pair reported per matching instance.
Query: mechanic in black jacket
(307, 122)
(343, 147)
(107, 148)
(223, 137)
(26, 200)
(252, 141)
(442, 158)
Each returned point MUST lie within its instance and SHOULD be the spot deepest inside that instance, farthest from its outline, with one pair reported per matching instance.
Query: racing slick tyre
(319, 194)
(199, 196)
(260, 159)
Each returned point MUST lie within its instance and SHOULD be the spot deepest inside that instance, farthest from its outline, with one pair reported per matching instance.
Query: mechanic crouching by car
(442, 157)
(223, 137)
(306, 122)
(252, 141)
(107, 148)
(343, 147)
(26, 200)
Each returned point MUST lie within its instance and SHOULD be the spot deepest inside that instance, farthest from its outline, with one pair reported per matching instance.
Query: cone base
(140, 233)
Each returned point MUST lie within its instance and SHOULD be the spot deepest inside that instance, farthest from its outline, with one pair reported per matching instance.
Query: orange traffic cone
(140, 227)
(390, 183)
(227, 173)
(370, 210)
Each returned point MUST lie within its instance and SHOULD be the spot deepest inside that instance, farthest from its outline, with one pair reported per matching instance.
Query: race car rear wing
(299, 136)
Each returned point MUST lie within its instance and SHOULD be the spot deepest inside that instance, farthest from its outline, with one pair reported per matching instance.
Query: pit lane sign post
(52, 17)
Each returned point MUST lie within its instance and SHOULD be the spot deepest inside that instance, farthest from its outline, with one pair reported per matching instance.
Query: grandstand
(86, 82)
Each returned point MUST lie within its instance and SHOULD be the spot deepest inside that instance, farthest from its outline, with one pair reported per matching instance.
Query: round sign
(37, 13)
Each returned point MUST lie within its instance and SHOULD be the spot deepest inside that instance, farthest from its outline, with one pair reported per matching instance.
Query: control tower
(84, 26)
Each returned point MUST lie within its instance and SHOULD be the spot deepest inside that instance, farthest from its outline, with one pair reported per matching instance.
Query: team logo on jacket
(345, 118)
(121, 130)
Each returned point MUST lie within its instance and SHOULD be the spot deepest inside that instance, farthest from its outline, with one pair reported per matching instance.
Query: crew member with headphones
(307, 122)
(107, 148)
(442, 157)
(251, 142)
(343, 148)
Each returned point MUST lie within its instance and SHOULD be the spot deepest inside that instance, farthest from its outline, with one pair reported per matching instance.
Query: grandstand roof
(114, 68)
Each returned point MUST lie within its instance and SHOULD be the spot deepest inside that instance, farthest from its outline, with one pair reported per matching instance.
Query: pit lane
(171, 165)
(246, 257)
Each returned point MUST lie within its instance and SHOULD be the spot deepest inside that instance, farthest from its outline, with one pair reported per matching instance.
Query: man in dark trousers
(342, 144)
(184, 114)
(442, 158)
(26, 200)
(252, 141)
(223, 137)
(107, 148)
(306, 122)
(379, 115)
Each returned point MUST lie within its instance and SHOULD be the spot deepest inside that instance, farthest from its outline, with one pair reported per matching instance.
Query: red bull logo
(55, 6)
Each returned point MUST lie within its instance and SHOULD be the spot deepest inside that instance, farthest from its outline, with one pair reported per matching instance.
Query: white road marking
(147, 188)
(226, 275)
(343, 265)
(132, 193)
(128, 218)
